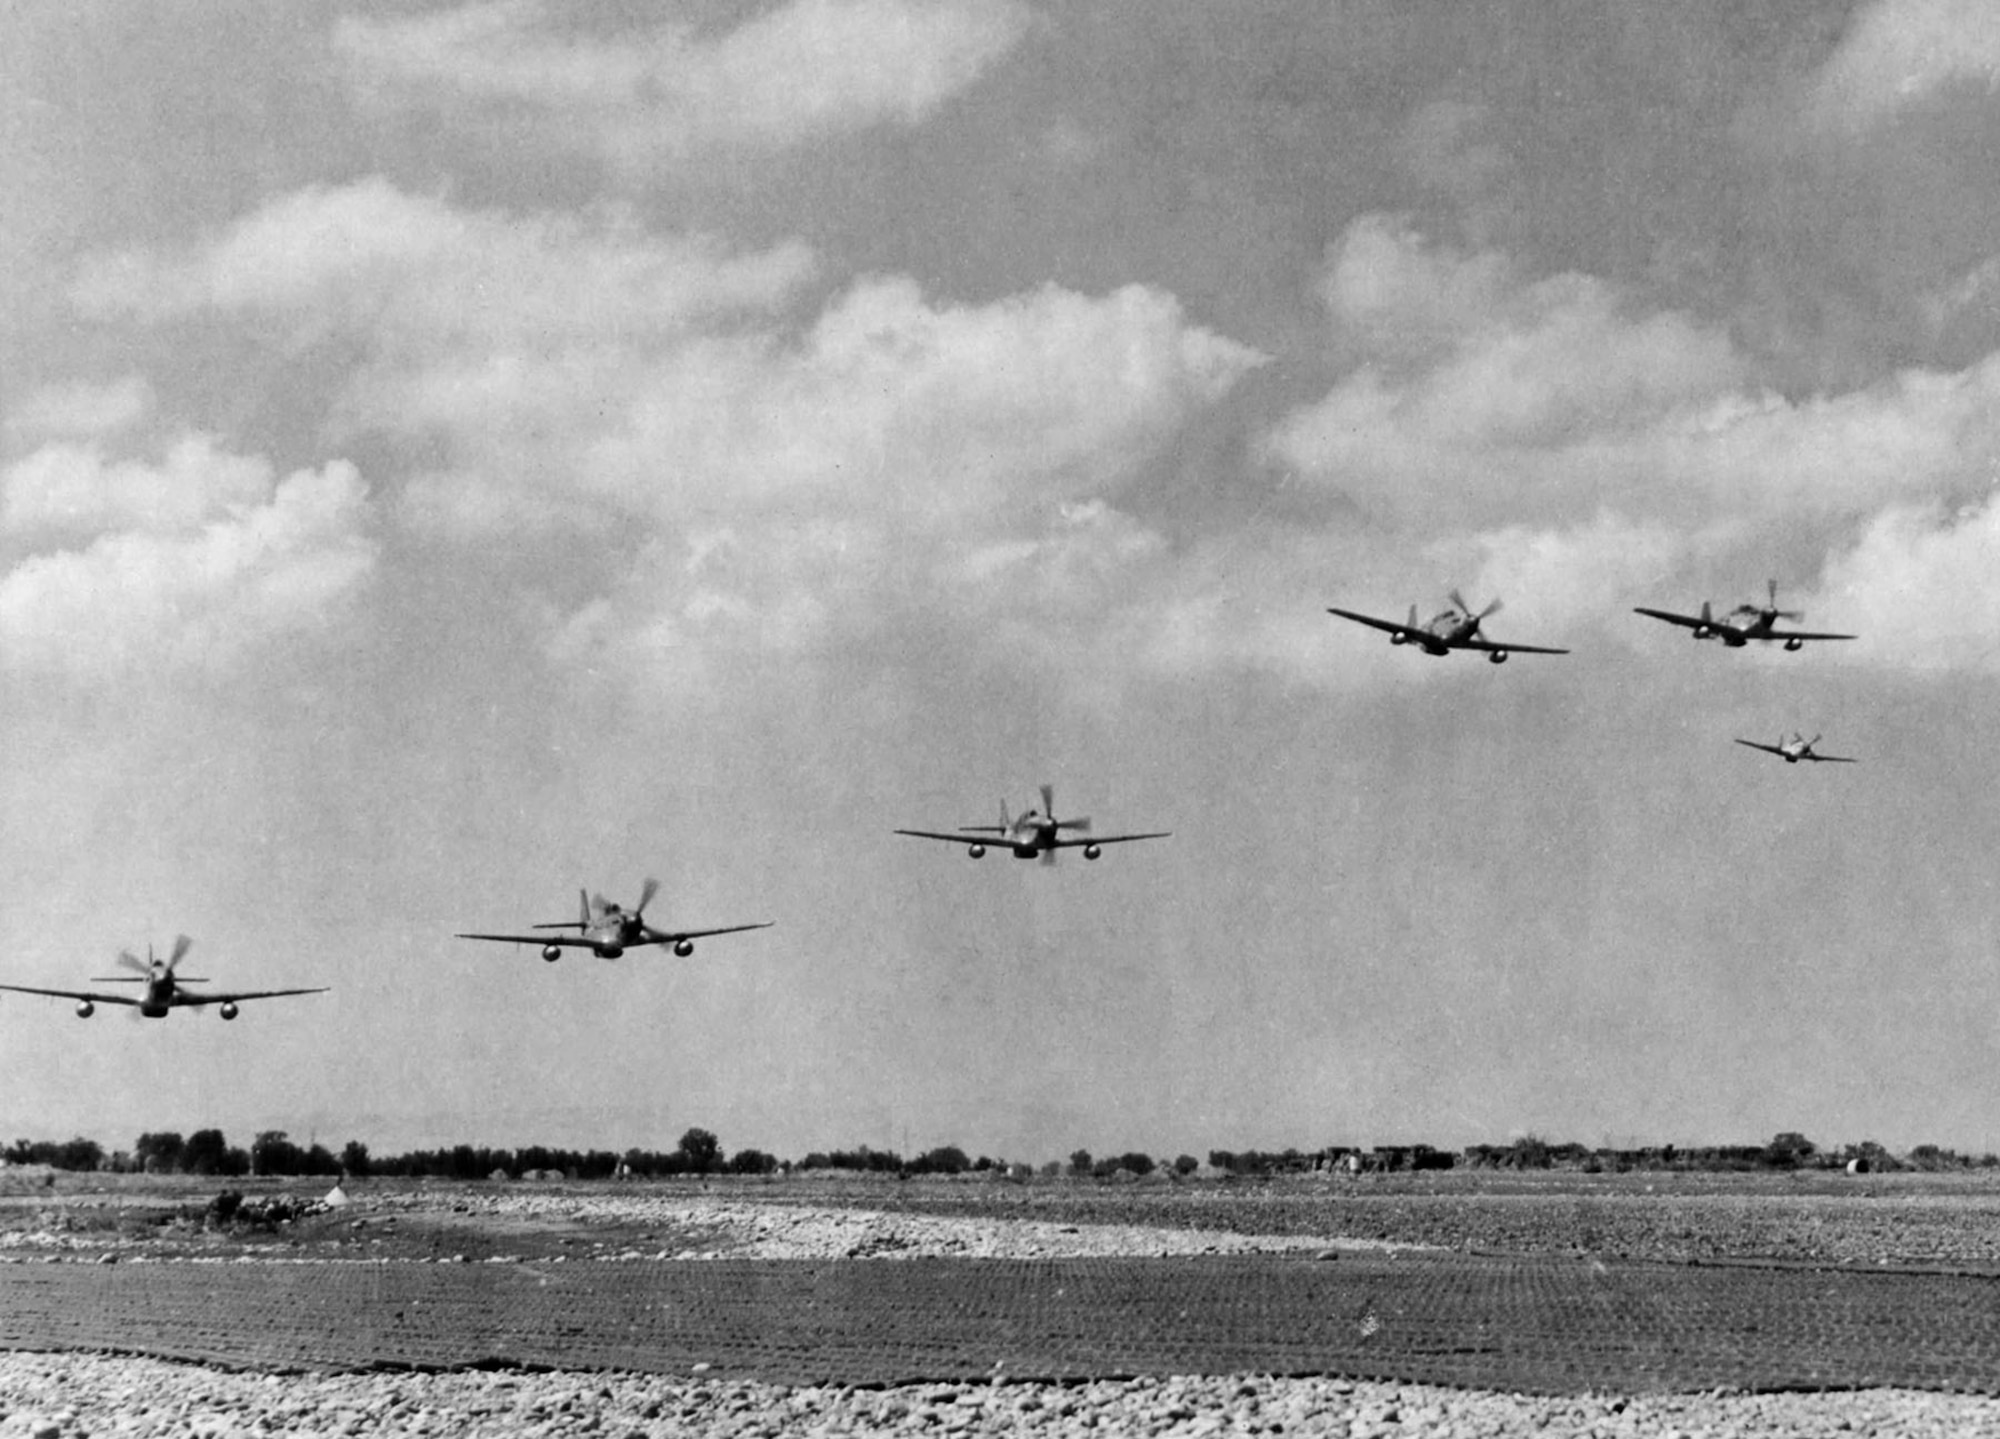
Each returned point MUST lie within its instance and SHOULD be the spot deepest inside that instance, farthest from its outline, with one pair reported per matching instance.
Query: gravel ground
(49, 1396)
(749, 1229)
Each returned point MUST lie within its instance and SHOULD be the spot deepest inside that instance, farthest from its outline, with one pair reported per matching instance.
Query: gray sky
(458, 453)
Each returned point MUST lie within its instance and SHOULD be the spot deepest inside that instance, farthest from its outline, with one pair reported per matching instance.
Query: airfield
(1460, 1302)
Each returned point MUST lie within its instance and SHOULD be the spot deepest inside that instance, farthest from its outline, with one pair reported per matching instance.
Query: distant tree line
(699, 1152)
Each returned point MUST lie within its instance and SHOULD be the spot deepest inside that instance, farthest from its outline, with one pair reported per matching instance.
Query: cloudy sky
(455, 453)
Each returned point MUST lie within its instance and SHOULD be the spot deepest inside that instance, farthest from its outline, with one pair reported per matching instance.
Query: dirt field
(1548, 1283)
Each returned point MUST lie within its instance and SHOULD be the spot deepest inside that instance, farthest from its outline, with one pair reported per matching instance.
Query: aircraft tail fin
(583, 907)
(1706, 616)
(1413, 616)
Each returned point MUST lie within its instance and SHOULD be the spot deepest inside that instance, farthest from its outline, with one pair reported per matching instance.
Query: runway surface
(1530, 1323)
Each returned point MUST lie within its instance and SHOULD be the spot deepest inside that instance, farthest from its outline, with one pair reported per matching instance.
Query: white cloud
(807, 69)
(415, 274)
(1922, 588)
(1899, 54)
(74, 487)
(142, 602)
(83, 408)
(1473, 380)
(1557, 578)
(1490, 401)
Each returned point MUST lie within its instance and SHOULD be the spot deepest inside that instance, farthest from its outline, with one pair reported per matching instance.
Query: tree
(1079, 1162)
(354, 1159)
(1789, 1150)
(271, 1152)
(207, 1152)
(1186, 1164)
(79, 1153)
(702, 1150)
(159, 1153)
(751, 1161)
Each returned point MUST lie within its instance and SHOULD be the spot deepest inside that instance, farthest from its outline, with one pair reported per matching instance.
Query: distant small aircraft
(1035, 832)
(1454, 629)
(1792, 750)
(608, 931)
(1745, 623)
(163, 990)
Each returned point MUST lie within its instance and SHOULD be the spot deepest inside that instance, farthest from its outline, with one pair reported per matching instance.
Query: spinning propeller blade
(1771, 589)
(1467, 610)
(652, 887)
(132, 962)
(181, 943)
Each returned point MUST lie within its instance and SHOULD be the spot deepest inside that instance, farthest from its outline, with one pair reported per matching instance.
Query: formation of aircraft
(1034, 833)
(1745, 623)
(162, 992)
(608, 930)
(1792, 750)
(1456, 628)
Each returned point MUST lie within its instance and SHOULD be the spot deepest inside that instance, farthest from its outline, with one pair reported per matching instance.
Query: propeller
(181, 943)
(1467, 610)
(646, 893)
(1771, 590)
(131, 961)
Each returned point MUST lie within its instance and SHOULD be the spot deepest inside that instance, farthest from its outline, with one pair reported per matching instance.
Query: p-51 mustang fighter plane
(1745, 623)
(1454, 629)
(1798, 747)
(163, 990)
(608, 931)
(1036, 832)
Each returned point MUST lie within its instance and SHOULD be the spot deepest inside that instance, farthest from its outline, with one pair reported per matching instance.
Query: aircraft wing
(183, 997)
(1803, 635)
(1830, 758)
(1767, 748)
(72, 994)
(1394, 627)
(1478, 644)
(661, 936)
(969, 837)
(1687, 622)
(575, 940)
(1103, 839)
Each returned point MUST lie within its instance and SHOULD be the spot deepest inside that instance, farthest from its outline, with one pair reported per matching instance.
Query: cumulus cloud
(75, 487)
(83, 409)
(1470, 379)
(1902, 53)
(414, 273)
(163, 597)
(776, 480)
(807, 69)
(1922, 588)
(1508, 401)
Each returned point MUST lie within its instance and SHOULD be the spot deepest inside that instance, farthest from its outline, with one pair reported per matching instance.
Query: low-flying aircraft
(1454, 629)
(1745, 623)
(608, 931)
(1798, 747)
(162, 991)
(1037, 832)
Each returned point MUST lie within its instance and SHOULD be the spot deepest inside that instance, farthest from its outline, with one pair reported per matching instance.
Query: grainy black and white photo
(1133, 716)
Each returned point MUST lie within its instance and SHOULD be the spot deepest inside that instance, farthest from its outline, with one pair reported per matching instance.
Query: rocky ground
(53, 1396)
(75, 1394)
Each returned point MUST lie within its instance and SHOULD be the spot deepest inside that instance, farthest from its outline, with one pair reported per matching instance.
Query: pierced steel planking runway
(1543, 1324)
